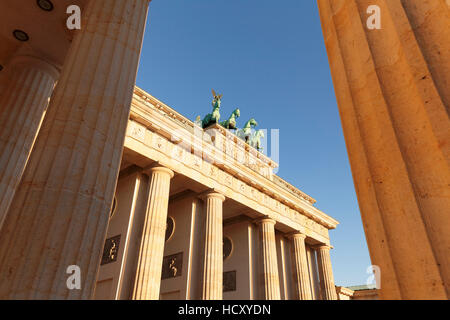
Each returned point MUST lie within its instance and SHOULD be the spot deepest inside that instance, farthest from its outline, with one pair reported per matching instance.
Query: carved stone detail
(111, 250)
(198, 162)
(172, 266)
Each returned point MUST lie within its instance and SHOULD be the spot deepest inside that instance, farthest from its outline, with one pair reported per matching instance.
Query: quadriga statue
(213, 117)
(247, 133)
(255, 140)
(231, 122)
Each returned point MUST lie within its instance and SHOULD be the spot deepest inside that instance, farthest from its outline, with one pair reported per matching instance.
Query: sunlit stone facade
(234, 229)
(75, 134)
(107, 193)
(393, 91)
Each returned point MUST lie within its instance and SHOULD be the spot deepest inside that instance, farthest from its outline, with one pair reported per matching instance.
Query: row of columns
(148, 273)
(55, 200)
(149, 267)
(392, 88)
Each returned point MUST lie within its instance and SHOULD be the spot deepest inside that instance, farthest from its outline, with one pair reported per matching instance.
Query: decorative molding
(161, 141)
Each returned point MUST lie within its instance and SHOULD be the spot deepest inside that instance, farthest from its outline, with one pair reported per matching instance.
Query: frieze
(137, 130)
(196, 161)
(229, 180)
(178, 153)
(213, 172)
(234, 182)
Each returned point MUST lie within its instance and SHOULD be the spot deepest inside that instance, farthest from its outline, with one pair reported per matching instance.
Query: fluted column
(3, 82)
(28, 87)
(60, 212)
(149, 267)
(302, 283)
(327, 287)
(392, 90)
(212, 288)
(269, 263)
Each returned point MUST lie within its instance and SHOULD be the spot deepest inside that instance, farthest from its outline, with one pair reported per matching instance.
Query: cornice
(160, 118)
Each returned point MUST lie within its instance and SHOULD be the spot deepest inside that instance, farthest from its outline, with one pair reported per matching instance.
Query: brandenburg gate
(97, 174)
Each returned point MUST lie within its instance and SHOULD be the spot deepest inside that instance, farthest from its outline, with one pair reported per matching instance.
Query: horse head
(251, 123)
(237, 113)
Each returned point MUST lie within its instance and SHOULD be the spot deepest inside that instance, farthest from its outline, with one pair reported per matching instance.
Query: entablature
(163, 135)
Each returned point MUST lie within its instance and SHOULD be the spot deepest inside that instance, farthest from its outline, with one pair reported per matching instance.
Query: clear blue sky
(268, 58)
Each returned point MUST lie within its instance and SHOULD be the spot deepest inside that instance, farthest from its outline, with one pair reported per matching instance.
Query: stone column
(60, 211)
(327, 287)
(392, 90)
(269, 265)
(302, 283)
(213, 257)
(28, 87)
(148, 274)
(2, 81)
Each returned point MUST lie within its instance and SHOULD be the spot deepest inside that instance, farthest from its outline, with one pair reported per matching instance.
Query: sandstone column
(269, 264)
(392, 88)
(327, 287)
(28, 87)
(60, 211)
(213, 256)
(148, 274)
(301, 274)
(3, 80)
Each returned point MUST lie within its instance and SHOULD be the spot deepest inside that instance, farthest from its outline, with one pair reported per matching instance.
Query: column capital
(158, 168)
(323, 246)
(33, 61)
(211, 194)
(265, 220)
(295, 235)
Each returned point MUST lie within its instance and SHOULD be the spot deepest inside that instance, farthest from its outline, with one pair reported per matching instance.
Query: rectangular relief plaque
(229, 281)
(111, 250)
(172, 266)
